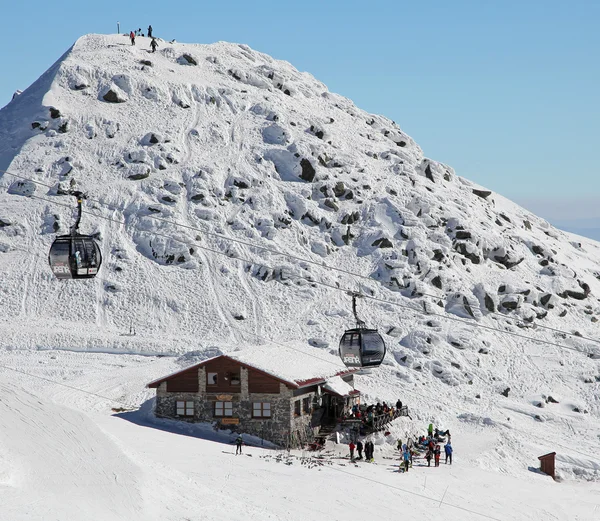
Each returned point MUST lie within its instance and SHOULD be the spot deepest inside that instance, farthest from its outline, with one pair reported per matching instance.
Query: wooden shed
(547, 464)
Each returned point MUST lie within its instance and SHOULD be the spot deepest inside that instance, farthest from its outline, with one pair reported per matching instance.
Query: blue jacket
(448, 448)
(406, 455)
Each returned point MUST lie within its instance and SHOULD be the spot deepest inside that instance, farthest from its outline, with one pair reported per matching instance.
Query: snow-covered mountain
(232, 194)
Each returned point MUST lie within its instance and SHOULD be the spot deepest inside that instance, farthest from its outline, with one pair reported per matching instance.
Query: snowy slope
(57, 442)
(218, 143)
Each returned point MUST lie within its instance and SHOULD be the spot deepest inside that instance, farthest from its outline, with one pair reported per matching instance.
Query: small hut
(547, 464)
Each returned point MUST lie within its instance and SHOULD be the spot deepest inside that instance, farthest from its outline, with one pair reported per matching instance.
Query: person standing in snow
(132, 37)
(428, 457)
(359, 448)
(351, 447)
(238, 444)
(406, 457)
(149, 31)
(430, 430)
(153, 45)
(448, 449)
(399, 445)
(436, 453)
(368, 450)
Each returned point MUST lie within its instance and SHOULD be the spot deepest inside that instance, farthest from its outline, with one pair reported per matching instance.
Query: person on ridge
(238, 444)
(132, 37)
(351, 447)
(448, 449)
(430, 430)
(153, 45)
(149, 31)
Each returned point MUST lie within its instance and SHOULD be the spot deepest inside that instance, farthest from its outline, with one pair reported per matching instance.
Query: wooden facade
(184, 382)
(259, 382)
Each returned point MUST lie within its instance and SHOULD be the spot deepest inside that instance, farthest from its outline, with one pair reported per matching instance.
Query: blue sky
(508, 93)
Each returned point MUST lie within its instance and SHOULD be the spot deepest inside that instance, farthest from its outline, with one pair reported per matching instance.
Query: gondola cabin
(362, 348)
(75, 257)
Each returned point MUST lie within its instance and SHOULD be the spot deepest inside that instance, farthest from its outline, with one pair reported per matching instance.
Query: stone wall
(282, 427)
(305, 426)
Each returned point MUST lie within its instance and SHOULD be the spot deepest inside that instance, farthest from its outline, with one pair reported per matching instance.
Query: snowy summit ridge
(202, 162)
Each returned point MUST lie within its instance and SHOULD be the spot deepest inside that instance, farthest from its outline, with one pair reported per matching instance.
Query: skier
(359, 448)
(132, 37)
(430, 430)
(406, 457)
(153, 45)
(399, 445)
(428, 457)
(238, 444)
(149, 31)
(352, 447)
(448, 449)
(436, 453)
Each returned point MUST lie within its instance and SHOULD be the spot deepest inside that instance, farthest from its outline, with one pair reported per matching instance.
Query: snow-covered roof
(294, 365)
(337, 386)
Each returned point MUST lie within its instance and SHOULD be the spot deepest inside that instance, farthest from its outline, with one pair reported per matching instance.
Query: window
(212, 379)
(234, 379)
(223, 408)
(306, 405)
(297, 410)
(185, 408)
(261, 410)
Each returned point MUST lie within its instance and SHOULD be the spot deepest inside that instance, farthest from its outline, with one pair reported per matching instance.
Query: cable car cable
(337, 288)
(301, 259)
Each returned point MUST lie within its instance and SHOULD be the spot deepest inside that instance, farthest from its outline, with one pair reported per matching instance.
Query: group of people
(429, 444)
(368, 413)
(138, 32)
(368, 448)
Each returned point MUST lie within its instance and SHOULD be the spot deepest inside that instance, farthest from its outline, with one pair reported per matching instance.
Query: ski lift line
(311, 280)
(277, 252)
(422, 496)
(218, 235)
(128, 405)
(324, 284)
(455, 319)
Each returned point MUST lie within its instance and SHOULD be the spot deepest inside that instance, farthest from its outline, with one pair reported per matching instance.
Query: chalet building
(278, 394)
